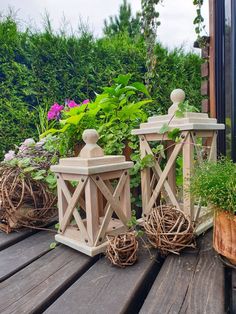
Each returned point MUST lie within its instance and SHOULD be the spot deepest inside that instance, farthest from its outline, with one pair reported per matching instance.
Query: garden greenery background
(40, 68)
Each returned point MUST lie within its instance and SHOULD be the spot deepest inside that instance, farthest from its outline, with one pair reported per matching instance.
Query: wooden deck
(37, 279)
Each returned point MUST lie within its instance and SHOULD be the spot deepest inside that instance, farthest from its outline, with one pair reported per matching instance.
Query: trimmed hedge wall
(43, 68)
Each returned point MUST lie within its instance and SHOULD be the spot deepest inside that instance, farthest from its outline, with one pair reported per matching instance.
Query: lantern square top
(91, 159)
(190, 120)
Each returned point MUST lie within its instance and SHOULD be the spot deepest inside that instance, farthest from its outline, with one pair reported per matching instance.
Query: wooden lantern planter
(193, 126)
(102, 188)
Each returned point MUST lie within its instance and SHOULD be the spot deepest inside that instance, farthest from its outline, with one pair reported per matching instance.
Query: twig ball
(169, 229)
(25, 202)
(122, 249)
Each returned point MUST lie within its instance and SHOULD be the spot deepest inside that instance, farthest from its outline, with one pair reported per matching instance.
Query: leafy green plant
(215, 184)
(121, 111)
(115, 112)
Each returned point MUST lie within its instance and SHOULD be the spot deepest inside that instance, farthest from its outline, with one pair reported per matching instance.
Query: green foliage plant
(115, 112)
(215, 184)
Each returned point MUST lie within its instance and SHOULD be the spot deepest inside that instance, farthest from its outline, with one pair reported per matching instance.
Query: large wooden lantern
(198, 132)
(93, 197)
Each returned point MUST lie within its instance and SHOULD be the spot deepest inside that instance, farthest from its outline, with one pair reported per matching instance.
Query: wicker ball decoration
(24, 202)
(122, 249)
(169, 229)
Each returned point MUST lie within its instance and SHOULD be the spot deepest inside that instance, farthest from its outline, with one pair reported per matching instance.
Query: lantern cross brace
(158, 173)
(111, 194)
(71, 208)
(108, 208)
(162, 181)
(112, 199)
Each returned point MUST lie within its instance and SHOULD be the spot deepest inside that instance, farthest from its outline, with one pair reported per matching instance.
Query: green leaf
(53, 245)
(73, 120)
(123, 79)
(141, 87)
(173, 134)
(54, 131)
(29, 169)
(179, 114)
(24, 162)
(159, 150)
(57, 226)
(164, 128)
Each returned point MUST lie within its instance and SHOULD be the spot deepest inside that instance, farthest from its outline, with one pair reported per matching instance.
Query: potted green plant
(215, 184)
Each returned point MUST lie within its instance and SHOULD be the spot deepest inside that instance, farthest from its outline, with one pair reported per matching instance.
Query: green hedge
(43, 68)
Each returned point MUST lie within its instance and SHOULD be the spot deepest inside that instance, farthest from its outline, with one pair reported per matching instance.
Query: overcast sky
(176, 16)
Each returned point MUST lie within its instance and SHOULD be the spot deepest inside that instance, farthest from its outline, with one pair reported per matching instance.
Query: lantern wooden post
(192, 127)
(91, 188)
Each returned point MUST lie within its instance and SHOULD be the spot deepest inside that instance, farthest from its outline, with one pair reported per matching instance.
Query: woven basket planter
(224, 239)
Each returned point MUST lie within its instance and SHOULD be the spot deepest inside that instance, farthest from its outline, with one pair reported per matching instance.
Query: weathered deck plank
(17, 256)
(189, 283)
(107, 289)
(34, 287)
(171, 285)
(7, 240)
(206, 289)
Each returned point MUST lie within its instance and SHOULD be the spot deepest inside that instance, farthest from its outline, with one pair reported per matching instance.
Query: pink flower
(54, 112)
(72, 104)
(51, 115)
(56, 107)
(86, 101)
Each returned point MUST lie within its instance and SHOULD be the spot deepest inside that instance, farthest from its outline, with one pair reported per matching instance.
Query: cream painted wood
(72, 204)
(172, 173)
(62, 201)
(91, 149)
(188, 158)
(109, 197)
(145, 177)
(96, 194)
(125, 199)
(193, 127)
(164, 174)
(92, 209)
(177, 96)
(108, 209)
(158, 173)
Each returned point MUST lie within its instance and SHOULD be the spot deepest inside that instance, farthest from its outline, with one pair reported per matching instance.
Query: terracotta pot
(127, 151)
(77, 148)
(224, 238)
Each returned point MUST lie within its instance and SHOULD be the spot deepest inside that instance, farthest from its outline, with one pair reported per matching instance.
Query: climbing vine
(199, 22)
(150, 22)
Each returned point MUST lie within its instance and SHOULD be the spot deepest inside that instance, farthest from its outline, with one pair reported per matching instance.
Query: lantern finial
(177, 96)
(91, 149)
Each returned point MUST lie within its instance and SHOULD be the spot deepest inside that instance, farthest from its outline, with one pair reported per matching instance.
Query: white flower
(22, 148)
(29, 142)
(41, 142)
(9, 156)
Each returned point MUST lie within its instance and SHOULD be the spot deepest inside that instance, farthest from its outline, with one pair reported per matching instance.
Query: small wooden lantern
(194, 127)
(91, 188)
